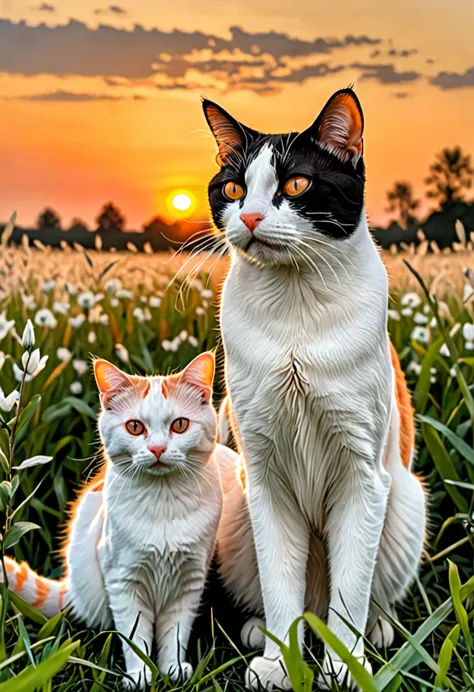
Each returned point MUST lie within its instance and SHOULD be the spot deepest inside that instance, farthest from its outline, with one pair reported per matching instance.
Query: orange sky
(97, 110)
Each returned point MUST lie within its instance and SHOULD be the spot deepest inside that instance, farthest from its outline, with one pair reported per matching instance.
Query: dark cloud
(45, 7)
(262, 61)
(112, 9)
(454, 80)
(73, 97)
(385, 74)
(401, 94)
(77, 49)
(393, 53)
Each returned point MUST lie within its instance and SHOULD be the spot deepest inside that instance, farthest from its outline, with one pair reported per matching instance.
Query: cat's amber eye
(180, 425)
(296, 186)
(135, 427)
(233, 191)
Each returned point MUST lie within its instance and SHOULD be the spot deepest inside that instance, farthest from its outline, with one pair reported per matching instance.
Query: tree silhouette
(402, 201)
(450, 176)
(110, 217)
(48, 219)
(78, 224)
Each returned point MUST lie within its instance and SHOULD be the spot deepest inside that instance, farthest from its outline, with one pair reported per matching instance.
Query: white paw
(180, 672)
(337, 671)
(269, 673)
(136, 679)
(382, 634)
(251, 635)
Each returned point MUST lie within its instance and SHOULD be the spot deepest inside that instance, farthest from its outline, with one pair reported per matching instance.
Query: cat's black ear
(340, 126)
(230, 135)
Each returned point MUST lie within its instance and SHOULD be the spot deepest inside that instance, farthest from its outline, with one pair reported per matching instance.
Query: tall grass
(122, 307)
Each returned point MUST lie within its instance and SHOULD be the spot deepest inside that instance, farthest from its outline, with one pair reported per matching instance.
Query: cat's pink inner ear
(110, 379)
(227, 131)
(341, 125)
(200, 373)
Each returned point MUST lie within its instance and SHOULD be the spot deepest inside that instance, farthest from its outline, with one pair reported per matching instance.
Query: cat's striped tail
(49, 596)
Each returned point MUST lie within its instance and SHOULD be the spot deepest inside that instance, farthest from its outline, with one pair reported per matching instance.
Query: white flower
(48, 285)
(86, 299)
(411, 300)
(92, 337)
(122, 353)
(206, 293)
(94, 314)
(61, 308)
(433, 323)
(419, 318)
(444, 351)
(114, 302)
(406, 312)
(139, 314)
(147, 314)
(80, 366)
(77, 321)
(196, 283)
(5, 325)
(166, 345)
(469, 345)
(8, 402)
(45, 318)
(2, 359)
(63, 353)
(154, 302)
(200, 310)
(28, 301)
(414, 367)
(28, 338)
(468, 331)
(75, 387)
(33, 366)
(183, 335)
(144, 299)
(205, 304)
(452, 372)
(175, 344)
(123, 293)
(421, 334)
(113, 285)
(394, 315)
(71, 289)
(432, 380)
(426, 309)
(104, 318)
(468, 292)
(192, 341)
(433, 371)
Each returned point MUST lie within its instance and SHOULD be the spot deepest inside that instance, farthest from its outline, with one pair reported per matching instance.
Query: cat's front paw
(337, 671)
(269, 673)
(136, 679)
(180, 672)
(251, 633)
(382, 634)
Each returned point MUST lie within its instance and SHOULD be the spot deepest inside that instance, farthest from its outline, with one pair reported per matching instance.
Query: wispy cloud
(385, 74)
(454, 80)
(111, 9)
(46, 7)
(74, 97)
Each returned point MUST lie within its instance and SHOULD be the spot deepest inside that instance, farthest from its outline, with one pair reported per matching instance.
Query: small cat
(142, 532)
(331, 512)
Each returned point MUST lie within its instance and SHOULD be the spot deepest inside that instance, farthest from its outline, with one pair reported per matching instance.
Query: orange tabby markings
(42, 591)
(9, 565)
(22, 576)
(405, 410)
(62, 591)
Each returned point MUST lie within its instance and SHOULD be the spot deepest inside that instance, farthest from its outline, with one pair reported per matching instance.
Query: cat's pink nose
(252, 220)
(158, 451)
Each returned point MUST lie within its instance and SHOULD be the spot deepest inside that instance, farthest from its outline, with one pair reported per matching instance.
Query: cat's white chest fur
(293, 346)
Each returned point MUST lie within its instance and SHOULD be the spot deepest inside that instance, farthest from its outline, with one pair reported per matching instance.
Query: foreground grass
(127, 312)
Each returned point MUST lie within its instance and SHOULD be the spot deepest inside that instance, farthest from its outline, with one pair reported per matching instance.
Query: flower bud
(28, 338)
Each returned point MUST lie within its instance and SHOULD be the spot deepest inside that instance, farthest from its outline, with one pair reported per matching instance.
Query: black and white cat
(319, 402)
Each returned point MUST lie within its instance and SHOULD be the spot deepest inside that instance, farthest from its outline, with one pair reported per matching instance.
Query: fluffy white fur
(140, 543)
(309, 374)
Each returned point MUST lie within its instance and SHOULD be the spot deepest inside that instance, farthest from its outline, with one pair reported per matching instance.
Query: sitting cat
(319, 405)
(142, 532)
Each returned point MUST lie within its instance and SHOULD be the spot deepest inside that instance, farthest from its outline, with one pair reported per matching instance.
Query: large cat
(319, 403)
(142, 532)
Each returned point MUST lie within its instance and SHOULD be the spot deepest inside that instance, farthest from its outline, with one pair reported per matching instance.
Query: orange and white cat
(143, 531)
(319, 405)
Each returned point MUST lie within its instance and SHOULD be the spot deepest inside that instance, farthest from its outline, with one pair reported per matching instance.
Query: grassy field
(122, 307)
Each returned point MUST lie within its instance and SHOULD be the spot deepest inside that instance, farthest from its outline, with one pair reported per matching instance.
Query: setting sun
(181, 203)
